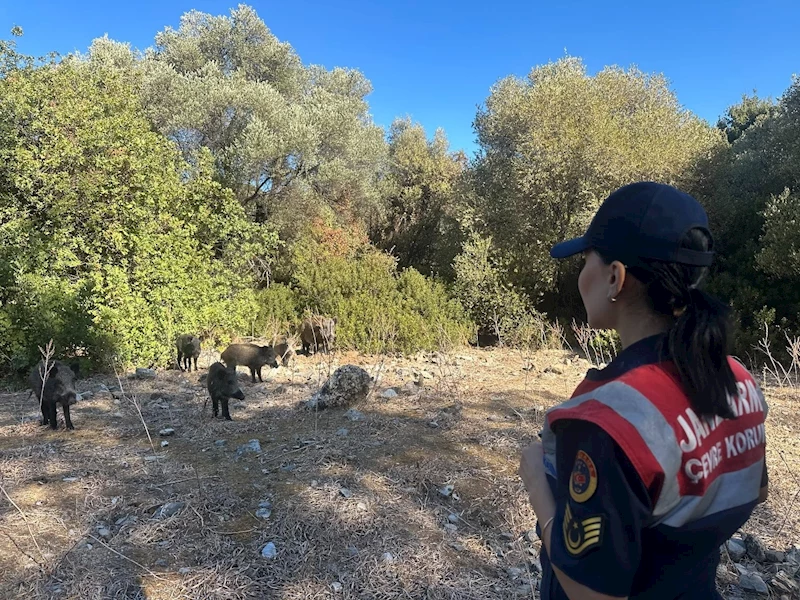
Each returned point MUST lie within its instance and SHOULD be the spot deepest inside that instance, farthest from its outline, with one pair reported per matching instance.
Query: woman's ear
(616, 280)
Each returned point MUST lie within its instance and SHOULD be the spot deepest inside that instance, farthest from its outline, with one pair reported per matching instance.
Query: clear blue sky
(435, 61)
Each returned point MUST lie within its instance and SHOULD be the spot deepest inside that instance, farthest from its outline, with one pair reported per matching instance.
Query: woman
(658, 458)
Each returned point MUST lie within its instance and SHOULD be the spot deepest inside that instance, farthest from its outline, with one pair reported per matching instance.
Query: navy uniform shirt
(608, 541)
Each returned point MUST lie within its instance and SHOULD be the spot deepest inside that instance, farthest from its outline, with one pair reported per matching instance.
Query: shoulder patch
(583, 480)
(581, 536)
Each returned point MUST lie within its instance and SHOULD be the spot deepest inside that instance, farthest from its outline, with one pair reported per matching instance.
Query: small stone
(220, 443)
(450, 528)
(433, 424)
(269, 551)
(531, 536)
(361, 506)
(514, 572)
(169, 509)
(104, 532)
(125, 521)
(751, 582)
(736, 549)
(342, 432)
(754, 548)
(164, 443)
(70, 479)
(345, 492)
(354, 415)
(184, 570)
(166, 432)
(447, 490)
(162, 563)
(250, 446)
(265, 504)
(336, 587)
(775, 556)
(117, 415)
(387, 557)
(145, 373)
(453, 518)
(263, 513)
(389, 394)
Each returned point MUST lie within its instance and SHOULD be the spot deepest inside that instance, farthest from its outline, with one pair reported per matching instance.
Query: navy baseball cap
(643, 220)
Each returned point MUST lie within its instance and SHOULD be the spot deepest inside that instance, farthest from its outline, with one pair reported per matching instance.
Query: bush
(110, 243)
(378, 308)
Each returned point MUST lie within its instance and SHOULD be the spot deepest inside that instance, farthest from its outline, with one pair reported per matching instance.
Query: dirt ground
(355, 507)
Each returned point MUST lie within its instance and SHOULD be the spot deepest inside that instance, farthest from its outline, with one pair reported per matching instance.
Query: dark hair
(697, 340)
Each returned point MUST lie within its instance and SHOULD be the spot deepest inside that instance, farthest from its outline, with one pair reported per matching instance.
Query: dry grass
(464, 427)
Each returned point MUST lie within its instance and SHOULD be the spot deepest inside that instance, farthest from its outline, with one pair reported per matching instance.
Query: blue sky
(435, 61)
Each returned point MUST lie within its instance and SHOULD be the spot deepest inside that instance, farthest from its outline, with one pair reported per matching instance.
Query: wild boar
(188, 348)
(249, 355)
(316, 332)
(222, 384)
(59, 388)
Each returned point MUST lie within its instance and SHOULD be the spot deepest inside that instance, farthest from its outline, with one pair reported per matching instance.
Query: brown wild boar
(316, 332)
(249, 355)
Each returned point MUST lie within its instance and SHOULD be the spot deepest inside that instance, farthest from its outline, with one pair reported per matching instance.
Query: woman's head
(645, 253)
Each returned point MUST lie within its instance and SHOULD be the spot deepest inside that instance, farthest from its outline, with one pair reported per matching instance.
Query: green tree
(555, 144)
(289, 140)
(109, 242)
(739, 117)
(421, 226)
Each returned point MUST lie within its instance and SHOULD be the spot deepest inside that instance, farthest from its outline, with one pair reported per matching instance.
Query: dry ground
(91, 497)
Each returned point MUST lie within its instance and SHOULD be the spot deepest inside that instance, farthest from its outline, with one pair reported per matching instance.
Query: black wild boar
(223, 384)
(188, 348)
(58, 389)
(249, 355)
(316, 332)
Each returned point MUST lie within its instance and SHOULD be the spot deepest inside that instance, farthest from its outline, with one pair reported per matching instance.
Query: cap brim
(569, 248)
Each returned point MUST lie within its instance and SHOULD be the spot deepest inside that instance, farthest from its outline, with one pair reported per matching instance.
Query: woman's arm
(544, 506)
(593, 540)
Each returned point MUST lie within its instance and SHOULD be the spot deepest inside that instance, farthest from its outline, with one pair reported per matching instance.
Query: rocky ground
(411, 493)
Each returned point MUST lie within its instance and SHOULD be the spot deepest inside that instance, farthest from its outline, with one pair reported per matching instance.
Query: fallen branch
(130, 560)
(24, 518)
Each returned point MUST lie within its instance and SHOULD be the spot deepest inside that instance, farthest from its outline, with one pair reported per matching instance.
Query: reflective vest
(692, 467)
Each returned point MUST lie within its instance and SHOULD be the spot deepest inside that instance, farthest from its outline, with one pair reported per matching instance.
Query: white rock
(447, 490)
(166, 431)
(164, 443)
(389, 394)
(269, 551)
(336, 587)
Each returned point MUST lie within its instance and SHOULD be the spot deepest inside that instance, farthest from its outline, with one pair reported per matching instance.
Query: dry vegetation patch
(355, 508)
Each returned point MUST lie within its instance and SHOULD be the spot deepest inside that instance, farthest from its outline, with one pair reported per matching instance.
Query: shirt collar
(647, 351)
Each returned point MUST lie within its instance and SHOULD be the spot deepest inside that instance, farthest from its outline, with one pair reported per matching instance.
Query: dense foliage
(216, 184)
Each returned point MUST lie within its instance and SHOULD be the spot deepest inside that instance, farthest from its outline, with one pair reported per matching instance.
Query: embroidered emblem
(583, 480)
(580, 536)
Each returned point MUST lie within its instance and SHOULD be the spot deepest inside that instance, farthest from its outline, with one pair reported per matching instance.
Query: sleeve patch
(581, 536)
(583, 479)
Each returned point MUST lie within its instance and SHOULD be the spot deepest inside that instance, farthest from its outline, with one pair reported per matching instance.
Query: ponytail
(697, 343)
(697, 340)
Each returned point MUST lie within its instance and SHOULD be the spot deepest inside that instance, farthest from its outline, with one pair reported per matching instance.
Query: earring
(610, 299)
